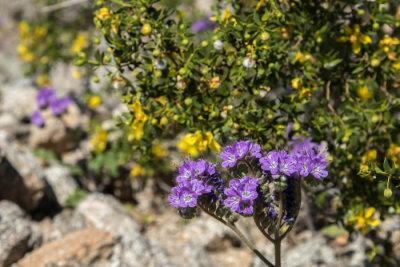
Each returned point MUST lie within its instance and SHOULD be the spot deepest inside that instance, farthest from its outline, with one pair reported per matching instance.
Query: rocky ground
(35, 229)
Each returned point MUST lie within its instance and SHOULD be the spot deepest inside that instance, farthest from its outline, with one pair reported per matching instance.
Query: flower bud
(248, 62)
(218, 45)
(387, 193)
(146, 29)
(265, 36)
(161, 64)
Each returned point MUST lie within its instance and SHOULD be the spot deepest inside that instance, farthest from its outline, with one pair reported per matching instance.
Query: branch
(69, 3)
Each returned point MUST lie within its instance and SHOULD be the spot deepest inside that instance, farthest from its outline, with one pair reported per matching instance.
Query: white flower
(218, 45)
(248, 62)
(161, 64)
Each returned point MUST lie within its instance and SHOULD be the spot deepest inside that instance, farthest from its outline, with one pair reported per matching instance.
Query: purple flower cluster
(299, 162)
(241, 193)
(47, 98)
(191, 183)
(239, 150)
(203, 25)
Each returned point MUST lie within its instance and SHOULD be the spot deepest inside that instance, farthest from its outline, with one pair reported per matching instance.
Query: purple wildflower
(241, 194)
(270, 162)
(287, 163)
(45, 97)
(59, 105)
(203, 25)
(37, 119)
(185, 172)
(229, 157)
(318, 166)
(254, 150)
(186, 193)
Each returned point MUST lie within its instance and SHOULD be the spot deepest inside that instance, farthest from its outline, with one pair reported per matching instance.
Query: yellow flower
(364, 93)
(226, 17)
(397, 65)
(43, 81)
(394, 153)
(355, 37)
(76, 74)
(39, 33)
(140, 119)
(103, 14)
(159, 151)
(193, 144)
(214, 83)
(24, 53)
(94, 101)
(387, 42)
(137, 171)
(363, 219)
(305, 93)
(79, 43)
(369, 156)
(23, 29)
(296, 83)
(99, 140)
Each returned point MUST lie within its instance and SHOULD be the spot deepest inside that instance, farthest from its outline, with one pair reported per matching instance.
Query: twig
(51, 8)
(241, 236)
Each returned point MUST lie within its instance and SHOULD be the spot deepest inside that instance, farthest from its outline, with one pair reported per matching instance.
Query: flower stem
(240, 235)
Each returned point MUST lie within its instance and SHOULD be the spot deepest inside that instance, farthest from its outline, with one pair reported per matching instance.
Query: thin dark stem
(241, 236)
(277, 242)
(263, 232)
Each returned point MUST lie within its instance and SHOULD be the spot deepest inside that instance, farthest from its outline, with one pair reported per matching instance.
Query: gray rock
(133, 249)
(18, 102)
(17, 234)
(60, 181)
(106, 213)
(314, 251)
(21, 178)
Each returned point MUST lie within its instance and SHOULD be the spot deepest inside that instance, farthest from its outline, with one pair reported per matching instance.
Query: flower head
(355, 37)
(203, 25)
(45, 97)
(241, 193)
(59, 105)
(37, 119)
(363, 219)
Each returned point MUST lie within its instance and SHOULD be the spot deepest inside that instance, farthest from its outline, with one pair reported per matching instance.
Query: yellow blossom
(364, 93)
(140, 119)
(24, 53)
(305, 93)
(94, 101)
(369, 156)
(99, 140)
(79, 43)
(214, 83)
(137, 171)
(39, 33)
(103, 14)
(198, 142)
(76, 74)
(394, 153)
(296, 83)
(23, 29)
(355, 37)
(159, 151)
(363, 219)
(387, 42)
(43, 81)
